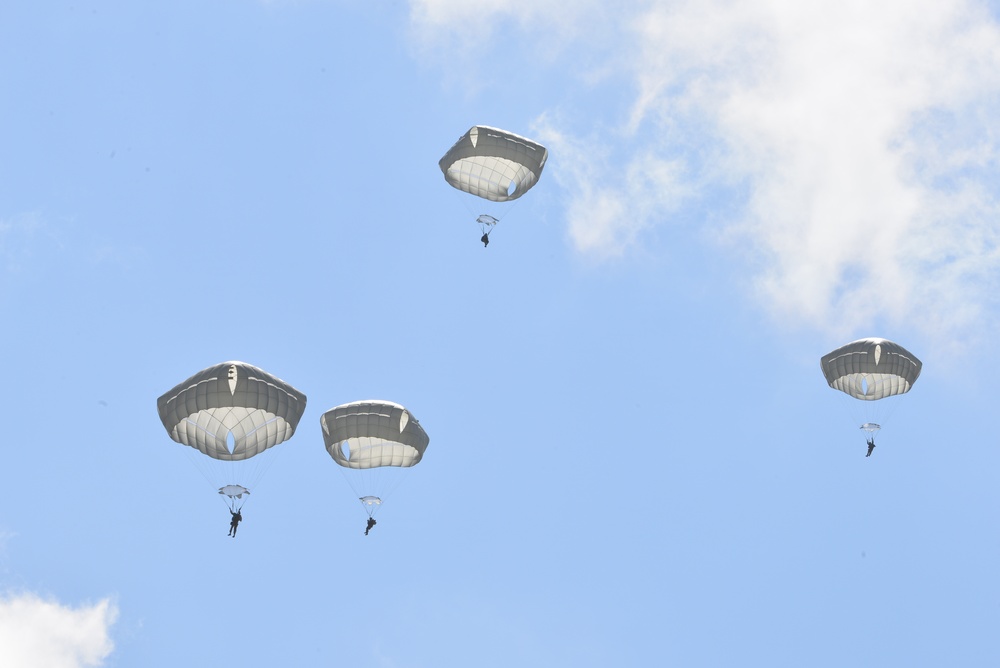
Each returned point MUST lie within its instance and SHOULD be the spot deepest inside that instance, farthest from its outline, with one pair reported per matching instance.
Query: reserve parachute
(373, 442)
(870, 371)
(494, 165)
(231, 413)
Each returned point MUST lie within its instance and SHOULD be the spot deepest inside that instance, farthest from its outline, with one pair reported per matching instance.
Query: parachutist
(485, 239)
(871, 370)
(236, 520)
(202, 413)
(361, 436)
(371, 523)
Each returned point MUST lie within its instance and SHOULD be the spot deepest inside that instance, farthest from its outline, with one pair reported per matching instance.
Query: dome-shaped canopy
(370, 434)
(493, 164)
(871, 369)
(231, 411)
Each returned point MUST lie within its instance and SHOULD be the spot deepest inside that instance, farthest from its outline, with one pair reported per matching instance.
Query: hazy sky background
(634, 457)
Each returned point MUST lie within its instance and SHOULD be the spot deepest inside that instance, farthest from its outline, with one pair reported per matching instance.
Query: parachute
(871, 370)
(231, 412)
(494, 165)
(373, 441)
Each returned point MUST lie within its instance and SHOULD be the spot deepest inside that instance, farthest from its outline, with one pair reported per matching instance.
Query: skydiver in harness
(485, 239)
(235, 522)
(371, 523)
(871, 445)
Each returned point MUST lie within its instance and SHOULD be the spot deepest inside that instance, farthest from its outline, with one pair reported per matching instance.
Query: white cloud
(864, 134)
(37, 633)
(857, 138)
(609, 209)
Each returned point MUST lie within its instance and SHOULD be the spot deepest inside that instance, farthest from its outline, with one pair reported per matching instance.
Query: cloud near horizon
(851, 147)
(39, 633)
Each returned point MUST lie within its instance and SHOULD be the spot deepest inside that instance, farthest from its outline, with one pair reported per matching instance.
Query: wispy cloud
(869, 191)
(20, 236)
(463, 22)
(856, 139)
(609, 209)
(30, 244)
(474, 41)
(39, 633)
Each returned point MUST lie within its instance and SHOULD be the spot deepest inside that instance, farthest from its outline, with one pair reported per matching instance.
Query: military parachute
(231, 413)
(373, 442)
(494, 165)
(871, 371)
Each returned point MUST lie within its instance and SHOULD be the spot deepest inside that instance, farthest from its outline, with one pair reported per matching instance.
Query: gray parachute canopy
(871, 369)
(493, 164)
(231, 403)
(370, 434)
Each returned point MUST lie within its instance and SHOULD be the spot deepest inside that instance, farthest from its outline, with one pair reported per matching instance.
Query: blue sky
(634, 458)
